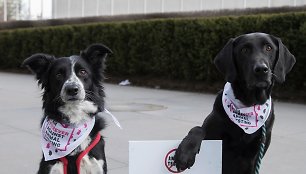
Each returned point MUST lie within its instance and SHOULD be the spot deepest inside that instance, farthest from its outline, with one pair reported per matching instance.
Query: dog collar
(58, 140)
(249, 119)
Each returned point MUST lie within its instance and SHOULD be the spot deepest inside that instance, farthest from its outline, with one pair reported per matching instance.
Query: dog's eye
(58, 75)
(244, 50)
(268, 47)
(82, 73)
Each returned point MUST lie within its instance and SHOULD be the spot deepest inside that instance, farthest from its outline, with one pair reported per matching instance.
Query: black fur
(51, 74)
(252, 63)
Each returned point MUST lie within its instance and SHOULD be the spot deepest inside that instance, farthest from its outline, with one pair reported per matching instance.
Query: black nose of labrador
(261, 69)
(72, 90)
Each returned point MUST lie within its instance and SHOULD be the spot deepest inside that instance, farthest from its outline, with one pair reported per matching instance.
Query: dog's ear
(38, 64)
(224, 61)
(95, 54)
(284, 61)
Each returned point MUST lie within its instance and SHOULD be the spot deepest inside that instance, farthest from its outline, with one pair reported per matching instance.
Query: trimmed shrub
(172, 49)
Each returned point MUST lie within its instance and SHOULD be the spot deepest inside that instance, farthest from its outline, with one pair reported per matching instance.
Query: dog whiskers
(274, 75)
(90, 95)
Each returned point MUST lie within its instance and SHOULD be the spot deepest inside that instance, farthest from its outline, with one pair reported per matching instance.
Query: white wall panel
(172, 5)
(257, 3)
(136, 6)
(120, 7)
(63, 9)
(212, 4)
(154, 6)
(191, 5)
(75, 8)
(279, 3)
(105, 7)
(90, 8)
(233, 4)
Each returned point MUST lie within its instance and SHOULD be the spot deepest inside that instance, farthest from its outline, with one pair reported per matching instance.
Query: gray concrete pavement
(145, 114)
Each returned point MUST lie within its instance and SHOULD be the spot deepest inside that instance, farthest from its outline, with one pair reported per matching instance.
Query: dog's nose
(72, 90)
(261, 69)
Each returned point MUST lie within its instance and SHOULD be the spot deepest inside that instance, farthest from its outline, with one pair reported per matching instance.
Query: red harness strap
(80, 157)
(65, 164)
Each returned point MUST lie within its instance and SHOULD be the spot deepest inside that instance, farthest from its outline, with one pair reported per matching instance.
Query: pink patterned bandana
(249, 119)
(58, 140)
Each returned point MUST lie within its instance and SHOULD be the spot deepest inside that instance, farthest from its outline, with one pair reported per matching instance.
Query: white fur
(87, 166)
(73, 79)
(91, 166)
(57, 168)
(78, 112)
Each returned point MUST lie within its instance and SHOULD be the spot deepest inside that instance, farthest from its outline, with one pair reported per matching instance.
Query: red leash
(80, 157)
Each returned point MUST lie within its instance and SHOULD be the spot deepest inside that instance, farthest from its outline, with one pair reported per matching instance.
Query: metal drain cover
(135, 107)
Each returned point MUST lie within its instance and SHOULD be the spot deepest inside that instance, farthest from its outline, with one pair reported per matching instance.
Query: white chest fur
(87, 166)
(78, 111)
(91, 165)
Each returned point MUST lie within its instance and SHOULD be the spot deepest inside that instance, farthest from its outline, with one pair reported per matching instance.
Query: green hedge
(174, 49)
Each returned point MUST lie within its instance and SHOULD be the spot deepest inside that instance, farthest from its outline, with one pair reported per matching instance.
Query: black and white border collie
(73, 93)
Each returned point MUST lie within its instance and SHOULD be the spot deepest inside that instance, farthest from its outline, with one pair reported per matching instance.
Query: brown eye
(244, 50)
(268, 48)
(82, 72)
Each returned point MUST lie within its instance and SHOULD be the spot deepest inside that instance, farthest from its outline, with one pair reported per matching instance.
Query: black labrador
(251, 63)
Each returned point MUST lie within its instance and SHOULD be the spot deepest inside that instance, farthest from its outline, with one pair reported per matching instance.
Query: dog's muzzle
(259, 76)
(260, 69)
(71, 92)
(262, 75)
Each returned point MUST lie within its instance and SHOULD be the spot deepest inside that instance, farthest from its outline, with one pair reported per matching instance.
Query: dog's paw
(185, 154)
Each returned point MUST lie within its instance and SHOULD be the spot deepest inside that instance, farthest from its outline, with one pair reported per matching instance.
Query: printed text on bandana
(248, 118)
(55, 135)
(245, 119)
(59, 139)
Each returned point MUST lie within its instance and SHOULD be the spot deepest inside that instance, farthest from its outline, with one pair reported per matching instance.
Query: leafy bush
(172, 49)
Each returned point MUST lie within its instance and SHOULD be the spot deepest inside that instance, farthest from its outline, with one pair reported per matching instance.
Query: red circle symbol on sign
(169, 162)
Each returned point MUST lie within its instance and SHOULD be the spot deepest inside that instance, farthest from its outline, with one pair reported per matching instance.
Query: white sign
(156, 157)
